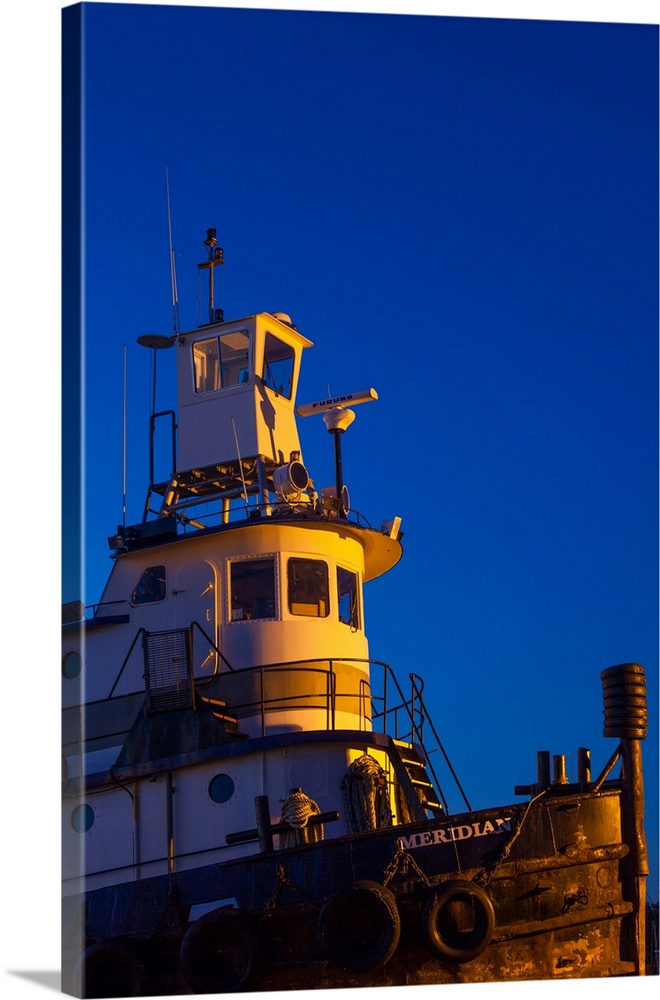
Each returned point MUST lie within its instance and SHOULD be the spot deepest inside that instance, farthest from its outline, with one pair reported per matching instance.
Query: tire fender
(454, 903)
(360, 926)
(221, 953)
(112, 967)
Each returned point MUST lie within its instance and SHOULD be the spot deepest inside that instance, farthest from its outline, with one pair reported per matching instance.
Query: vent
(624, 694)
(167, 669)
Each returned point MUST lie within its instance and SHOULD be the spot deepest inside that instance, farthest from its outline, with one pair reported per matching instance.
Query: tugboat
(249, 800)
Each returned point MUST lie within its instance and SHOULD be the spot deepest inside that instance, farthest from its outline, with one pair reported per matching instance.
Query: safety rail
(384, 710)
(254, 680)
(377, 701)
(273, 509)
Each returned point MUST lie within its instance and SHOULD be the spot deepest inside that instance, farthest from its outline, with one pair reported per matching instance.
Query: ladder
(410, 770)
(219, 710)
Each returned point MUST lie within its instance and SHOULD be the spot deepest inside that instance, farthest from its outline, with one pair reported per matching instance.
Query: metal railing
(376, 700)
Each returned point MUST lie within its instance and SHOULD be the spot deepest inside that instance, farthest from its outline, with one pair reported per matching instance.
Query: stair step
(217, 707)
(213, 701)
(420, 784)
(410, 762)
(229, 720)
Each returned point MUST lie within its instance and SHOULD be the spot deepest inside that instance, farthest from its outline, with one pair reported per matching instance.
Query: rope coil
(366, 797)
(296, 811)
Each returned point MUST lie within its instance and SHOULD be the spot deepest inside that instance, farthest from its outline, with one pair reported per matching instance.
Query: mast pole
(215, 258)
(337, 420)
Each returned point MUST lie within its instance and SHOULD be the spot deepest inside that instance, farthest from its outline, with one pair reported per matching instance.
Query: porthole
(71, 665)
(82, 818)
(221, 788)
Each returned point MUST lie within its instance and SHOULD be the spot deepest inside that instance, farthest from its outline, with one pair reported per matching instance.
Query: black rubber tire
(220, 952)
(114, 967)
(458, 920)
(360, 926)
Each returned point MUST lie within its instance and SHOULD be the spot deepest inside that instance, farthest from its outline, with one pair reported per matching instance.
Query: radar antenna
(337, 418)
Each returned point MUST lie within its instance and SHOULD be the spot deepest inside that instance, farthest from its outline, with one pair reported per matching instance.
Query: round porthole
(71, 665)
(221, 788)
(82, 818)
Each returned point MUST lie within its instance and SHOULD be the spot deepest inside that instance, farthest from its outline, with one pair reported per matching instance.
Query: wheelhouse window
(151, 587)
(221, 362)
(348, 597)
(278, 366)
(308, 587)
(252, 588)
(206, 364)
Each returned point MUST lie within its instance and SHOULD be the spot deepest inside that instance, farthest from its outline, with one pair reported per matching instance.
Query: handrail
(239, 513)
(329, 696)
(379, 710)
(126, 659)
(152, 428)
(404, 705)
(206, 680)
(437, 740)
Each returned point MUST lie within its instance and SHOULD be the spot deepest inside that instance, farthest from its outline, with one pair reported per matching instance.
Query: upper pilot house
(236, 427)
(237, 387)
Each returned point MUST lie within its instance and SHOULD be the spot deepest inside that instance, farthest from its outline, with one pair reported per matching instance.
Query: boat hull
(538, 890)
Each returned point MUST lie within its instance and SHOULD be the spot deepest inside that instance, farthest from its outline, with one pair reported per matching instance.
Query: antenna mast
(175, 293)
(123, 448)
(215, 258)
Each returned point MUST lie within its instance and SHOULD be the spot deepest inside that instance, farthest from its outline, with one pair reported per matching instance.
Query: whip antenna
(175, 293)
(123, 448)
(240, 468)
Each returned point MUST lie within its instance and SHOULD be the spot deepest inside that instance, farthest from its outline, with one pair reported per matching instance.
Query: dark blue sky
(463, 213)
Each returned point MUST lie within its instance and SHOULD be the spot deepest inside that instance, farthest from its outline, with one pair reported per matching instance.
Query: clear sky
(463, 213)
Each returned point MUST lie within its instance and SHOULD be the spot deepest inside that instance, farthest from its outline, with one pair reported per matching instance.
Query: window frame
(243, 561)
(309, 604)
(242, 361)
(157, 600)
(291, 357)
(356, 624)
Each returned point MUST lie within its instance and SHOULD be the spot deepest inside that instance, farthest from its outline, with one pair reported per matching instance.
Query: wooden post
(262, 809)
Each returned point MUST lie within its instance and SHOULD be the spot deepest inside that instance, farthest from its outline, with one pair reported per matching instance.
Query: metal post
(626, 718)
(170, 821)
(584, 768)
(559, 769)
(633, 815)
(339, 481)
(265, 508)
(337, 420)
(543, 768)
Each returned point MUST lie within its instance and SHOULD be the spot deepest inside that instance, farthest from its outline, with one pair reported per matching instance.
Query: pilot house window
(252, 589)
(221, 362)
(348, 599)
(308, 587)
(151, 587)
(278, 366)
